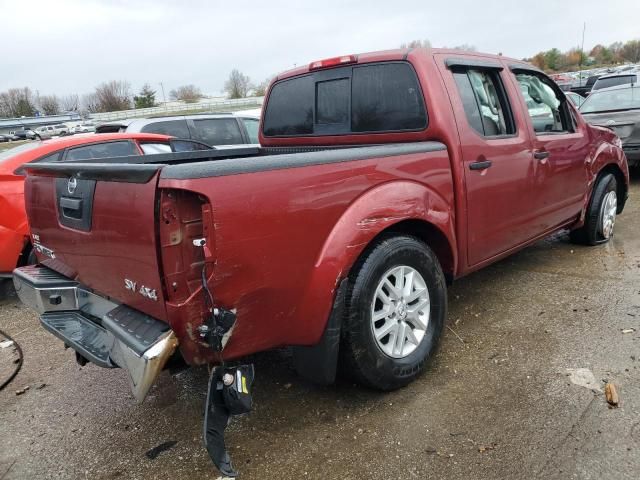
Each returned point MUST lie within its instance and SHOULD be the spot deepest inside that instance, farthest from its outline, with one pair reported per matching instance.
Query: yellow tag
(244, 384)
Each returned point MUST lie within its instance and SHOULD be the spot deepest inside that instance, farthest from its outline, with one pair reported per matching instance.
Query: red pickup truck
(380, 178)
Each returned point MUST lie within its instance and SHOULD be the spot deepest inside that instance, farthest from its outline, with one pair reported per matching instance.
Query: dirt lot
(498, 402)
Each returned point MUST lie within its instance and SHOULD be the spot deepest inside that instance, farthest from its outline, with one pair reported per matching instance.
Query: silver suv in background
(212, 129)
(615, 79)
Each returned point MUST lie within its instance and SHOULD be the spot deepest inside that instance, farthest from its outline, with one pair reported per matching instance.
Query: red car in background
(15, 247)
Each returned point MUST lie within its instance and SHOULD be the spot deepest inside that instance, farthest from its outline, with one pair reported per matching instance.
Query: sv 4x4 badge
(147, 292)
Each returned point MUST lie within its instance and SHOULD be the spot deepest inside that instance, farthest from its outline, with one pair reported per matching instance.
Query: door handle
(480, 165)
(540, 154)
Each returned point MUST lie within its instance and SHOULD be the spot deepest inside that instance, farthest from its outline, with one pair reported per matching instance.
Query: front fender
(604, 155)
(369, 215)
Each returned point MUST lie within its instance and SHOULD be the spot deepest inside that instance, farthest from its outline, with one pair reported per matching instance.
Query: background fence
(180, 108)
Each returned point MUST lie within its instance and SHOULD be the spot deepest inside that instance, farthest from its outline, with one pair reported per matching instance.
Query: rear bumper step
(102, 331)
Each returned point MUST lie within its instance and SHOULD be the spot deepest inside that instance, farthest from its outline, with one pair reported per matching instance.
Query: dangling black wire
(208, 300)
(20, 361)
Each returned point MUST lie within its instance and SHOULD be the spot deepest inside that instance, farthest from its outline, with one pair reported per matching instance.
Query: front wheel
(601, 214)
(396, 309)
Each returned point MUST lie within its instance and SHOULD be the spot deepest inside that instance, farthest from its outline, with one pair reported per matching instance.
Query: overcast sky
(63, 46)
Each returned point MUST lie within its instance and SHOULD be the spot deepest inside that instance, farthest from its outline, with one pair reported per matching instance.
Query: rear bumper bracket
(100, 330)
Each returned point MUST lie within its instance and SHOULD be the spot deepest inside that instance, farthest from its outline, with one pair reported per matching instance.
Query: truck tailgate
(96, 223)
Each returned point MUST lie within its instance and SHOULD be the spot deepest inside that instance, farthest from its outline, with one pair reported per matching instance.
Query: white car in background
(86, 127)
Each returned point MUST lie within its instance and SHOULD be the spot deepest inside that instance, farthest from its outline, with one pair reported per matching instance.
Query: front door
(498, 165)
(560, 150)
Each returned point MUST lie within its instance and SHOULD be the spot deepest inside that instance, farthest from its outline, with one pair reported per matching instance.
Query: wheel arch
(426, 232)
(398, 207)
(622, 188)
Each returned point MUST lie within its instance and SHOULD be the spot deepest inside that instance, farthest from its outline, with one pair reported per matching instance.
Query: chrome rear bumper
(102, 331)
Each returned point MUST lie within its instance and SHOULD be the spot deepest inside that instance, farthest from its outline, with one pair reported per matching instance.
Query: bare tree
(49, 104)
(113, 96)
(17, 102)
(466, 47)
(260, 90)
(238, 84)
(90, 103)
(631, 51)
(70, 103)
(186, 93)
(417, 44)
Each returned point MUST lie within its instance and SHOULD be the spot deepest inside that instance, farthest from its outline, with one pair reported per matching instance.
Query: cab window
(218, 131)
(546, 107)
(252, 129)
(485, 102)
(383, 97)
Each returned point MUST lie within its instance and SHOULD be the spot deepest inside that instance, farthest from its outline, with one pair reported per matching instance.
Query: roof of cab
(403, 54)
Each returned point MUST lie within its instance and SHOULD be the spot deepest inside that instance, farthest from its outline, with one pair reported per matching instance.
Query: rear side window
(102, 150)
(52, 157)
(485, 102)
(153, 148)
(614, 81)
(175, 128)
(252, 129)
(386, 98)
(383, 97)
(218, 131)
(290, 108)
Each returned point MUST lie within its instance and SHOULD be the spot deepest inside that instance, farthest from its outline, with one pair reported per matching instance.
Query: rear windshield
(374, 98)
(613, 81)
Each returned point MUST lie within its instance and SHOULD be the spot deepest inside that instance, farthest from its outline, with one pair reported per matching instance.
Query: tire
(601, 214)
(391, 365)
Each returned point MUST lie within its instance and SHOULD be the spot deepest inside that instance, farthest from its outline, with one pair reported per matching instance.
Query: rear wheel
(601, 214)
(396, 308)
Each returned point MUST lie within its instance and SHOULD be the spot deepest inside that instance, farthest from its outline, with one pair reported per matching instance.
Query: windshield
(619, 99)
(7, 154)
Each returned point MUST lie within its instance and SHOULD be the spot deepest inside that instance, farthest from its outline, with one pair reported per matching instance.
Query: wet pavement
(497, 402)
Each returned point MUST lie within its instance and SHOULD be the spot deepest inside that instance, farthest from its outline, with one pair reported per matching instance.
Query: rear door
(496, 151)
(561, 150)
(84, 214)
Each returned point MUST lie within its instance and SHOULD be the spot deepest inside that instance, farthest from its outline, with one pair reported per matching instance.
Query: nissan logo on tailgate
(71, 185)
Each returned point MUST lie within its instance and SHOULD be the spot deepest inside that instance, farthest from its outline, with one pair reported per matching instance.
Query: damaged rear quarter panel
(282, 240)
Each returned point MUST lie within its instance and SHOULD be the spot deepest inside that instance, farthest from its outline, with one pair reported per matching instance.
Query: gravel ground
(497, 402)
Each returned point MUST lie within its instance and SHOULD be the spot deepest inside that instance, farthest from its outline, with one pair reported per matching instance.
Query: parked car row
(48, 131)
(617, 108)
(585, 81)
(212, 129)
